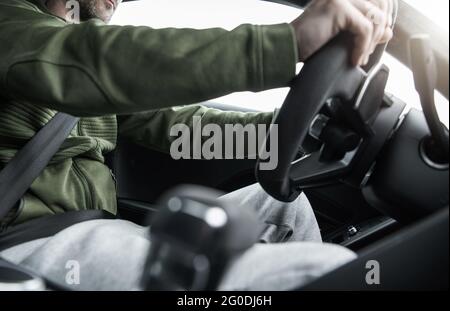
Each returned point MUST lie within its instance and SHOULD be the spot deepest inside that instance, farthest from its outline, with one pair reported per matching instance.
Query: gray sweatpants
(110, 254)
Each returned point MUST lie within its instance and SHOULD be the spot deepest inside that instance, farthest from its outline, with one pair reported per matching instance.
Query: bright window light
(436, 10)
(228, 14)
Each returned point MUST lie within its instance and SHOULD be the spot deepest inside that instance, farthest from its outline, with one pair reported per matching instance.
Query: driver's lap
(111, 253)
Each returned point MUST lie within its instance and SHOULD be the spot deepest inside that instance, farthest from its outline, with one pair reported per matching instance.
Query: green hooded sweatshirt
(134, 82)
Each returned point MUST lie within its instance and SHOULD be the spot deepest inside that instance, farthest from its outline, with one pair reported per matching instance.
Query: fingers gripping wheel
(331, 103)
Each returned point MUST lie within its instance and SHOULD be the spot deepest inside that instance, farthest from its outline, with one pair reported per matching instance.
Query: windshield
(436, 10)
(228, 14)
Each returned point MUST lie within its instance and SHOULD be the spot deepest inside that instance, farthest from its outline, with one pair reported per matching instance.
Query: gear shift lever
(194, 236)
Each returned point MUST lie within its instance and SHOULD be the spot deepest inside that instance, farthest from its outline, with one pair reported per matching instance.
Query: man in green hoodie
(50, 64)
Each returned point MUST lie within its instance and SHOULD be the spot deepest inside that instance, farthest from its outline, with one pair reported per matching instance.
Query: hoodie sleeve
(151, 129)
(93, 69)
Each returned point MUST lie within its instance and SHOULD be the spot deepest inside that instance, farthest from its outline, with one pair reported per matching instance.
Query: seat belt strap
(29, 162)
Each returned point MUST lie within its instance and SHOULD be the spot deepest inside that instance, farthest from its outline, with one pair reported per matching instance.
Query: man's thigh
(283, 266)
(283, 222)
(92, 255)
(111, 253)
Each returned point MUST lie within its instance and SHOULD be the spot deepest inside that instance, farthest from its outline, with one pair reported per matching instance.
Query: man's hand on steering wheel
(369, 20)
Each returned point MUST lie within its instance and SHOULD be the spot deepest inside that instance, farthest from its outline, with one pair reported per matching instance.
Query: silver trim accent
(301, 159)
(317, 125)
(370, 76)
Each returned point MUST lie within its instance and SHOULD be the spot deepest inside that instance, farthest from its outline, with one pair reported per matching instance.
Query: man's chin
(105, 17)
(92, 9)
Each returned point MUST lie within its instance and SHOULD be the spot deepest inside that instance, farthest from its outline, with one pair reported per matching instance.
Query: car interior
(375, 170)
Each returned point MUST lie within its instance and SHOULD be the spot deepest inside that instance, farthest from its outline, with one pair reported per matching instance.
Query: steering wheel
(332, 104)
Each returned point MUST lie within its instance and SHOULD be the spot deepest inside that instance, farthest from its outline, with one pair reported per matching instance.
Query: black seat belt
(28, 163)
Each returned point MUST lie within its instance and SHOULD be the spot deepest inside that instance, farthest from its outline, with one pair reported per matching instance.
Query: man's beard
(88, 9)
(92, 9)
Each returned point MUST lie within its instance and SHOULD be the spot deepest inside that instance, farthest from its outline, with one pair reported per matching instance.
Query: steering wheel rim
(327, 74)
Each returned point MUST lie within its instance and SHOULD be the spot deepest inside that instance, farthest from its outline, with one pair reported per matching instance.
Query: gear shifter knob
(194, 235)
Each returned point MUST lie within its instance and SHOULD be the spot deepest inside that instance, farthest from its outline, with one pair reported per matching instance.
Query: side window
(401, 84)
(229, 14)
(201, 14)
